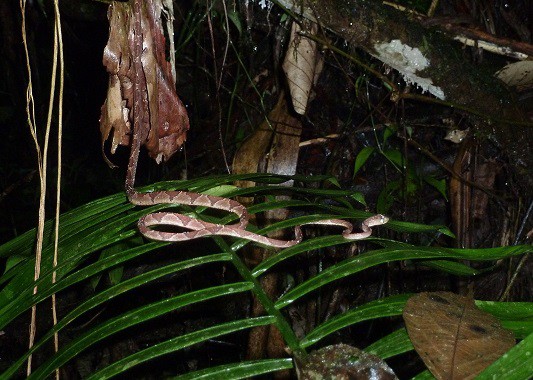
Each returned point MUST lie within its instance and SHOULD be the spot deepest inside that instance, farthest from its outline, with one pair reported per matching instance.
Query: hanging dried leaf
(453, 337)
(273, 148)
(164, 131)
(343, 362)
(283, 155)
(116, 109)
(517, 74)
(301, 65)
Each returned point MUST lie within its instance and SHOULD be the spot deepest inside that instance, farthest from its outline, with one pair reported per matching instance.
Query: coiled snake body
(199, 228)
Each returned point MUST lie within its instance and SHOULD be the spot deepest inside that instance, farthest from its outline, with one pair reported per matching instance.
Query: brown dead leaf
(469, 204)
(117, 59)
(164, 131)
(453, 337)
(301, 65)
(343, 362)
(517, 74)
(273, 148)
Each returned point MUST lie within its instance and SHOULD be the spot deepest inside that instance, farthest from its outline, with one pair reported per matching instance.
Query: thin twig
(30, 112)
(218, 81)
(58, 44)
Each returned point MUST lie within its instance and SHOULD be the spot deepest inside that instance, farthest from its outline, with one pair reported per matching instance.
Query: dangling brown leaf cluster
(164, 130)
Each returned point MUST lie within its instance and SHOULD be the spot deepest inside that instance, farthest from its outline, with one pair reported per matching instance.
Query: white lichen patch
(408, 61)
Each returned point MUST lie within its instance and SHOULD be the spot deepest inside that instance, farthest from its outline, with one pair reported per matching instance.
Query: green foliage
(362, 157)
(411, 182)
(100, 239)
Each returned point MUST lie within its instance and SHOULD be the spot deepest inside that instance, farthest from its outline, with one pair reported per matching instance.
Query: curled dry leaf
(517, 74)
(456, 136)
(164, 131)
(343, 362)
(453, 337)
(301, 65)
(115, 111)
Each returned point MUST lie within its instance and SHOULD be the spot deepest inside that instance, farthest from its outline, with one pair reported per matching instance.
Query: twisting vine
(42, 157)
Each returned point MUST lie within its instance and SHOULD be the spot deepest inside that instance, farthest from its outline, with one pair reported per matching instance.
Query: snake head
(377, 220)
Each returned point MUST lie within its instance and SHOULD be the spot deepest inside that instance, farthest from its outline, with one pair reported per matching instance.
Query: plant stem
(281, 322)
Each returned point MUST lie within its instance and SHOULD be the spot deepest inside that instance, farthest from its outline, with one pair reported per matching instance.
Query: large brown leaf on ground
(164, 131)
(453, 337)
